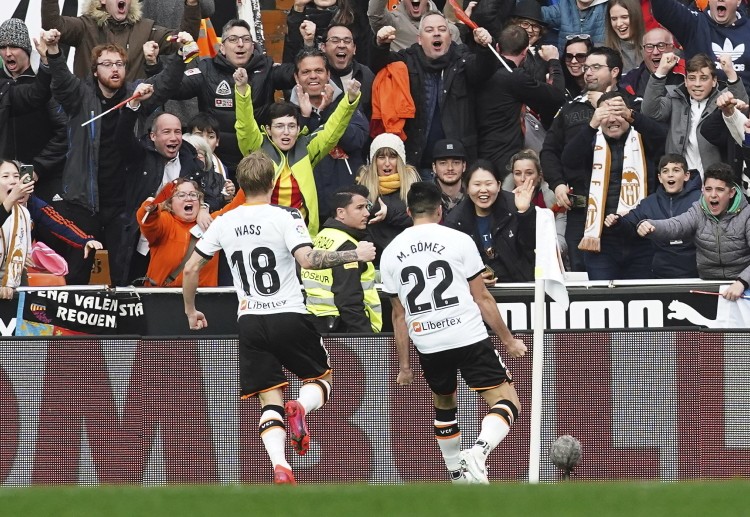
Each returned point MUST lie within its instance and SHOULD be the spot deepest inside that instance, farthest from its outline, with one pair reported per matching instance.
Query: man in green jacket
(294, 156)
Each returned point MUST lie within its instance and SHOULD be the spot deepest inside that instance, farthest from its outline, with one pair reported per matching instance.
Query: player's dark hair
(343, 196)
(424, 198)
(720, 171)
(203, 122)
(672, 158)
(282, 109)
(255, 173)
(513, 40)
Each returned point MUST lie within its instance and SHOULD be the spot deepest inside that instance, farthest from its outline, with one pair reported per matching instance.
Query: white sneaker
(461, 477)
(472, 461)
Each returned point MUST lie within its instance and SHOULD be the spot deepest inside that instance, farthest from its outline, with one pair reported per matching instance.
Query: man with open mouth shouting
(405, 19)
(442, 76)
(116, 21)
(720, 29)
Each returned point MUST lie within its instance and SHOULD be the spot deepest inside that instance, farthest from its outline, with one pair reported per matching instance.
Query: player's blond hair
(255, 173)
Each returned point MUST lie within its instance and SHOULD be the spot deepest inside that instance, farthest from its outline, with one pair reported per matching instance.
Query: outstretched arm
(310, 258)
(249, 137)
(490, 314)
(190, 275)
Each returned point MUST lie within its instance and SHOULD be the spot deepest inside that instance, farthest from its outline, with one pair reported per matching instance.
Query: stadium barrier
(667, 405)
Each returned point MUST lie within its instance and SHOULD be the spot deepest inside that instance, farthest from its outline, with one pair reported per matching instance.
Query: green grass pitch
(579, 499)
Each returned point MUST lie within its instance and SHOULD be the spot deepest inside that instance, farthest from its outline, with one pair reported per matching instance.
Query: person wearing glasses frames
(719, 29)
(406, 19)
(574, 56)
(93, 179)
(119, 22)
(167, 228)
(655, 44)
(212, 83)
(576, 17)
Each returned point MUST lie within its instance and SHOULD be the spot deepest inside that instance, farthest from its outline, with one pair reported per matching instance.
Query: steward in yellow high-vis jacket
(344, 298)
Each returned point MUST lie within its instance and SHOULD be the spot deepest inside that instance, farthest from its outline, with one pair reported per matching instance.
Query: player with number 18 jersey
(259, 242)
(429, 266)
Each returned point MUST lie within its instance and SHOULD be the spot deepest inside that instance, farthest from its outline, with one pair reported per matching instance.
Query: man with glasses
(655, 44)
(213, 84)
(601, 73)
(295, 154)
(405, 19)
(93, 182)
(340, 49)
(720, 29)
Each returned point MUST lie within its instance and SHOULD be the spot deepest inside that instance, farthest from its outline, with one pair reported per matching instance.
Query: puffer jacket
(722, 243)
(513, 236)
(672, 258)
(673, 105)
(457, 99)
(95, 27)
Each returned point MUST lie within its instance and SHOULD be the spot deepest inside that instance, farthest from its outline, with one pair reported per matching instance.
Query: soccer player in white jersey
(440, 301)
(262, 243)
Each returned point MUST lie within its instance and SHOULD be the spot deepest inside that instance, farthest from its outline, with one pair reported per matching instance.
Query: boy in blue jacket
(677, 193)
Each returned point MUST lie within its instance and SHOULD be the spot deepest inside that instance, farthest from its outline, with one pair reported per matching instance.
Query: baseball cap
(448, 148)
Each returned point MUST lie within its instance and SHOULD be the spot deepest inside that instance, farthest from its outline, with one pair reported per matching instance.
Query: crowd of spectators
(609, 112)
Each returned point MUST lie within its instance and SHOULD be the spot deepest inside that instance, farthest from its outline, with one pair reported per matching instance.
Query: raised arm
(655, 101)
(249, 137)
(328, 136)
(72, 28)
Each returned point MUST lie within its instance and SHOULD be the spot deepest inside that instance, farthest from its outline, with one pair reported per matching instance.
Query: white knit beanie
(387, 140)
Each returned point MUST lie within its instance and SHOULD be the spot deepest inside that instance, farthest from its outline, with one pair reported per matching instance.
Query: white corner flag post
(548, 277)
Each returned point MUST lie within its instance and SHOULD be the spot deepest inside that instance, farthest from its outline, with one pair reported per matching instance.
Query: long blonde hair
(368, 175)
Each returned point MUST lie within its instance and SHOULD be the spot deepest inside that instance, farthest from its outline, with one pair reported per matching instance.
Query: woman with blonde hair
(388, 178)
(624, 31)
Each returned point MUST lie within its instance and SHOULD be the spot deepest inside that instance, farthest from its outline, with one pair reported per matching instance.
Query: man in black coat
(441, 80)
(500, 99)
(212, 82)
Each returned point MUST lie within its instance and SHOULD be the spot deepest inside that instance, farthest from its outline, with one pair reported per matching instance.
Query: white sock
(494, 430)
(312, 395)
(451, 448)
(273, 436)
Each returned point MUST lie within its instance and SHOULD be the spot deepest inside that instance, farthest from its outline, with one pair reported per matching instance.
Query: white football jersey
(259, 241)
(429, 267)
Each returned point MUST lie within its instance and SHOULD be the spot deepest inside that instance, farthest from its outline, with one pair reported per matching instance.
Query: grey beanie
(14, 33)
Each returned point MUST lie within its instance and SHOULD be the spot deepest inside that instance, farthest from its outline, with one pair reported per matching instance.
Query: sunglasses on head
(571, 37)
(580, 57)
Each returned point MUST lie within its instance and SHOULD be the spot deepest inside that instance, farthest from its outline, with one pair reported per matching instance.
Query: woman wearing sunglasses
(577, 47)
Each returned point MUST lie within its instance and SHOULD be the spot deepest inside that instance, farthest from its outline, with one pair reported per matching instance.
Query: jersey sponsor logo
(734, 52)
(193, 71)
(223, 88)
(426, 326)
(224, 103)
